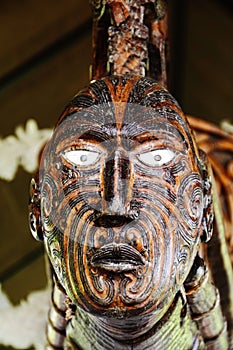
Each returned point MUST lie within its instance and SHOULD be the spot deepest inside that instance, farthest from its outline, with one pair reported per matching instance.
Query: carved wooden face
(122, 198)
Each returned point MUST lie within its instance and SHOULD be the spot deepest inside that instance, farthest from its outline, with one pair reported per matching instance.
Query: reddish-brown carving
(127, 203)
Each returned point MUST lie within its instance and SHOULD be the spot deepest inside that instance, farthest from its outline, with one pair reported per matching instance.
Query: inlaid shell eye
(81, 157)
(158, 157)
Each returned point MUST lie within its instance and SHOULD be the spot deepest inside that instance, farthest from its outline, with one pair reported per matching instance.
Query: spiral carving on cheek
(190, 202)
(97, 286)
(135, 288)
(49, 203)
(80, 239)
(161, 248)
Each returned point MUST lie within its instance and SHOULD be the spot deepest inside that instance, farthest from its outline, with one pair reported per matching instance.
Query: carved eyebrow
(149, 136)
(96, 136)
(144, 137)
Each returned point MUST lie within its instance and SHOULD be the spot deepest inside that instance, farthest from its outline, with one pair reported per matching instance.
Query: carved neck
(130, 37)
(174, 331)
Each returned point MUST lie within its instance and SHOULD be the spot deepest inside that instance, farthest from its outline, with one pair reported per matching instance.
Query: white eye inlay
(158, 157)
(81, 157)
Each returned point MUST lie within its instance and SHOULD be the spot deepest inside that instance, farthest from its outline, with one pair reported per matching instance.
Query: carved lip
(117, 257)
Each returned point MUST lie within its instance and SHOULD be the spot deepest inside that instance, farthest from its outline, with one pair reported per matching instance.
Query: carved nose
(117, 185)
(113, 220)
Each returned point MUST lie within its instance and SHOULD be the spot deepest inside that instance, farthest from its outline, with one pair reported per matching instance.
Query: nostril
(112, 220)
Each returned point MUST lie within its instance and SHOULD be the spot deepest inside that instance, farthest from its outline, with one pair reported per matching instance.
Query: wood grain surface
(44, 60)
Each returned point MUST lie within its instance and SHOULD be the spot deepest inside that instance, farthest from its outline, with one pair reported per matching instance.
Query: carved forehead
(138, 103)
(122, 90)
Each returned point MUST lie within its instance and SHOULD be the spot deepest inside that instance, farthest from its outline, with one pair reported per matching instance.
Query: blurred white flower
(23, 326)
(227, 126)
(22, 149)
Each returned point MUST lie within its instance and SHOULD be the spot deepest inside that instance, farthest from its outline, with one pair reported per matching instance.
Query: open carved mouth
(117, 258)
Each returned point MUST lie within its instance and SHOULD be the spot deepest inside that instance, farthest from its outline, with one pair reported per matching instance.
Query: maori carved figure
(124, 204)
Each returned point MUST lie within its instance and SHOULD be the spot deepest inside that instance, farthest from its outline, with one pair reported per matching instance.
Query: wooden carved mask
(122, 198)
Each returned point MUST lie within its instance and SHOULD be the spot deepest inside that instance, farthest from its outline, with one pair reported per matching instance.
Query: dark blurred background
(44, 60)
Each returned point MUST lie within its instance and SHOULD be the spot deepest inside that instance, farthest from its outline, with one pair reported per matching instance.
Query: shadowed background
(44, 60)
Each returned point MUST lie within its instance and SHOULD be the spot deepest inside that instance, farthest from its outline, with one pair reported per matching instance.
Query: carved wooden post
(124, 202)
(130, 37)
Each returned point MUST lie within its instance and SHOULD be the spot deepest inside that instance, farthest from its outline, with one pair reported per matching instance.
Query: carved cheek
(52, 219)
(190, 209)
(49, 203)
(190, 203)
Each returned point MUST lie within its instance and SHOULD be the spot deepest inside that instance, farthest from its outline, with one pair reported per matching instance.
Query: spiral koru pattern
(190, 202)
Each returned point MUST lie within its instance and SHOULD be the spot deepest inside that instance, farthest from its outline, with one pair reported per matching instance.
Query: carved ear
(208, 211)
(34, 210)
